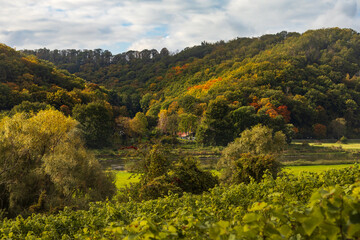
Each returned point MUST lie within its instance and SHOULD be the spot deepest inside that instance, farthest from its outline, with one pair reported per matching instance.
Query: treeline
(75, 60)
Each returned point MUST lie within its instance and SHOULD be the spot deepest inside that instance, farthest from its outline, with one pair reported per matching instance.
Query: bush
(257, 140)
(249, 167)
(190, 178)
(343, 140)
(158, 187)
(305, 144)
(173, 140)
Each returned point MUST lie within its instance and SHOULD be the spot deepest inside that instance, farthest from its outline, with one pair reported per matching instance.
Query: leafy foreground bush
(311, 206)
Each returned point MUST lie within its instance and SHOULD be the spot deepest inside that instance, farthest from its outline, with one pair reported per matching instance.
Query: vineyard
(308, 206)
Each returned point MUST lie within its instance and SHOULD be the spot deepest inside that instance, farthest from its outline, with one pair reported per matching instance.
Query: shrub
(250, 166)
(158, 187)
(343, 140)
(305, 144)
(169, 140)
(257, 140)
(190, 178)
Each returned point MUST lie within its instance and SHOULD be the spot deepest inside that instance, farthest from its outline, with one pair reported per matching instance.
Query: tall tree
(97, 123)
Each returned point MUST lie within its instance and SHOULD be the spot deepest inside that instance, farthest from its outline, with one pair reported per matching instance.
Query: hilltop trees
(44, 164)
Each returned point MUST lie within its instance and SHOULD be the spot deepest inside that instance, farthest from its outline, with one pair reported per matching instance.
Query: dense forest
(303, 84)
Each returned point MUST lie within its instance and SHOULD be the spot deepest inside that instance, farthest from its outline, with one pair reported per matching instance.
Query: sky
(122, 25)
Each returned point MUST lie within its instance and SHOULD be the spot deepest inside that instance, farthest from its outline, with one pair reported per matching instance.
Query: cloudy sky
(121, 25)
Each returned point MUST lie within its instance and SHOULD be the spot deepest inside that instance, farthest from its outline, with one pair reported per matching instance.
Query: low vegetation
(288, 207)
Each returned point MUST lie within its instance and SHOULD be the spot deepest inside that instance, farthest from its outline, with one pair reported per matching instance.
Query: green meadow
(296, 170)
(124, 178)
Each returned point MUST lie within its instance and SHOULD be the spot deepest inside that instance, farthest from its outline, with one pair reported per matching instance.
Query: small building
(187, 136)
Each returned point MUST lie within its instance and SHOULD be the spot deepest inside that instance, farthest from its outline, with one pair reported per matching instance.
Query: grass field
(348, 146)
(315, 168)
(123, 177)
(325, 152)
(353, 144)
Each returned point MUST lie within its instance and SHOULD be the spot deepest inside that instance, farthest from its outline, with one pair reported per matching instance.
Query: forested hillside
(309, 80)
(26, 78)
(28, 84)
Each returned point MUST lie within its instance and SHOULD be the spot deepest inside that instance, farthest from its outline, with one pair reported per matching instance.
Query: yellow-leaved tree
(44, 164)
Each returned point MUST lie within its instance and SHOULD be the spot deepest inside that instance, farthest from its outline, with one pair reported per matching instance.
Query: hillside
(27, 78)
(28, 84)
(310, 80)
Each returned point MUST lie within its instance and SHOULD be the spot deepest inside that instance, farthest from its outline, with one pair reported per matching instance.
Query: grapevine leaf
(355, 218)
(258, 206)
(250, 217)
(310, 223)
(330, 231)
(353, 229)
(285, 230)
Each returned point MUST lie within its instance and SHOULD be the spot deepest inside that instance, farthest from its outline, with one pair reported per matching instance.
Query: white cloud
(174, 24)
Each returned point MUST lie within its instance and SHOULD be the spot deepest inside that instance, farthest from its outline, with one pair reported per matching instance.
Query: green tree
(204, 134)
(29, 107)
(6, 97)
(243, 118)
(188, 102)
(338, 127)
(215, 128)
(217, 108)
(187, 122)
(97, 123)
(145, 102)
(139, 124)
